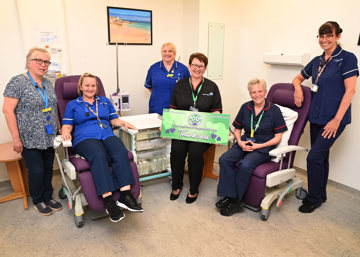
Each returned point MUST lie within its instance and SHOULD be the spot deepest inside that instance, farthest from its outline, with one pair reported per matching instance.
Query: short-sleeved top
(30, 118)
(162, 84)
(208, 98)
(271, 123)
(85, 123)
(325, 103)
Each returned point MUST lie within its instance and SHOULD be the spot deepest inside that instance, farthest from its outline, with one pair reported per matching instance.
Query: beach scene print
(129, 26)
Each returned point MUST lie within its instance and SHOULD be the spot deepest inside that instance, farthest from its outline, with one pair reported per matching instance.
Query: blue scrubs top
(162, 84)
(272, 122)
(85, 122)
(326, 101)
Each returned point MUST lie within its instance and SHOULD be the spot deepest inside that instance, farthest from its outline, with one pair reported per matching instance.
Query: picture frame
(127, 26)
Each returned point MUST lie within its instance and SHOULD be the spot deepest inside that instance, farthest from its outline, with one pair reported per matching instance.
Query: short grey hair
(32, 53)
(256, 81)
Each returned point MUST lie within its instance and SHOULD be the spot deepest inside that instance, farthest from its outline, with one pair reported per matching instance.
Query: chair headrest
(284, 97)
(70, 90)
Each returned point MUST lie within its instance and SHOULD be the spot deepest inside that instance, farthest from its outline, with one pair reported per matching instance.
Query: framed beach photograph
(129, 26)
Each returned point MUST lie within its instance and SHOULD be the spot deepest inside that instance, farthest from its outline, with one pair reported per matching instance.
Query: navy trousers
(40, 173)
(100, 154)
(195, 153)
(318, 162)
(233, 181)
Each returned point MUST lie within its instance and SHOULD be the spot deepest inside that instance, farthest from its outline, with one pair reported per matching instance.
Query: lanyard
(192, 91)
(102, 125)
(44, 96)
(320, 70)
(257, 124)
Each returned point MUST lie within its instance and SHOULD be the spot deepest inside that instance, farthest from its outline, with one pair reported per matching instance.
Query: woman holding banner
(195, 94)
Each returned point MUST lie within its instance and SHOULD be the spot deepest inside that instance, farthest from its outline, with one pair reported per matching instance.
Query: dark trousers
(195, 153)
(40, 172)
(318, 162)
(233, 181)
(100, 154)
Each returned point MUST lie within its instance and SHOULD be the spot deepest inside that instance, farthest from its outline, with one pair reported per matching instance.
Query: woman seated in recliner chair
(264, 125)
(92, 118)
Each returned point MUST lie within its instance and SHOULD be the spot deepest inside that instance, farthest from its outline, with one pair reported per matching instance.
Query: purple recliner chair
(281, 94)
(66, 90)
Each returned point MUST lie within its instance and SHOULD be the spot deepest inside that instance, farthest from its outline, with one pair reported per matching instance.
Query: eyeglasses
(325, 36)
(41, 61)
(200, 67)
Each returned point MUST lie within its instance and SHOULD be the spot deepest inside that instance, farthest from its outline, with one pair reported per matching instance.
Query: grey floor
(169, 228)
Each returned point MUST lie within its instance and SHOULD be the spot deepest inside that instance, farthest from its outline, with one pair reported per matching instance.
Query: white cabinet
(151, 153)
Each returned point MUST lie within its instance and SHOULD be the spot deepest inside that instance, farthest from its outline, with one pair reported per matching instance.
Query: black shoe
(173, 197)
(128, 202)
(114, 211)
(191, 199)
(43, 209)
(308, 206)
(305, 200)
(223, 203)
(232, 208)
(54, 205)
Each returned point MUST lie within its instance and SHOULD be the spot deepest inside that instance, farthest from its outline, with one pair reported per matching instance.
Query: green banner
(204, 127)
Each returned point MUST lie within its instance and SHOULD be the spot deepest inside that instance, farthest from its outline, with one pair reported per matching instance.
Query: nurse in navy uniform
(334, 75)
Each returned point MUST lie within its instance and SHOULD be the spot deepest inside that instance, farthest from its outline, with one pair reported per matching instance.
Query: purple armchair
(66, 90)
(281, 94)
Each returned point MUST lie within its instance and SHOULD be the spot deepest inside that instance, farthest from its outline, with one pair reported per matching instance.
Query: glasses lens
(40, 62)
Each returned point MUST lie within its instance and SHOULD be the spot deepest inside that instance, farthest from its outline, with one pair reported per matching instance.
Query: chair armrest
(286, 149)
(130, 131)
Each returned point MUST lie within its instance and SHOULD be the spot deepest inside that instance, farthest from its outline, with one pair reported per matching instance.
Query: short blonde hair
(81, 80)
(171, 45)
(32, 53)
(256, 81)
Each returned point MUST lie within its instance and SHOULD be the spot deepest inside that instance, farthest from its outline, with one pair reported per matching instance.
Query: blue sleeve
(279, 122)
(148, 80)
(238, 122)
(112, 111)
(349, 67)
(68, 118)
(308, 69)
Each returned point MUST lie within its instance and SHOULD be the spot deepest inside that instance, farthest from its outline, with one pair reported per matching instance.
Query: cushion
(70, 90)
(290, 117)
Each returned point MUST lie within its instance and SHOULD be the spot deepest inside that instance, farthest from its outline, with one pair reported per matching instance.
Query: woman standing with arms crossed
(334, 75)
(162, 77)
(30, 109)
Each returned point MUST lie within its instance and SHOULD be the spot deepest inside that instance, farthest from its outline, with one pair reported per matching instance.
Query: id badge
(193, 109)
(315, 88)
(252, 139)
(49, 129)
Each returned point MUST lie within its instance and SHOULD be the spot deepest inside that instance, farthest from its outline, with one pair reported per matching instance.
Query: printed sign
(204, 127)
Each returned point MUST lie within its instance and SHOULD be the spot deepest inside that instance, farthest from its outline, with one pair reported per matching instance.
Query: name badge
(315, 88)
(252, 139)
(49, 129)
(46, 110)
(193, 109)
(170, 75)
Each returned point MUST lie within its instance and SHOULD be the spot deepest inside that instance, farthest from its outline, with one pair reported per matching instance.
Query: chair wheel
(62, 193)
(301, 193)
(264, 215)
(79, 221)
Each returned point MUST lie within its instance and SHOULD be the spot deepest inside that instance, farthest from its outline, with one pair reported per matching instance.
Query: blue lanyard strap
(44, 96)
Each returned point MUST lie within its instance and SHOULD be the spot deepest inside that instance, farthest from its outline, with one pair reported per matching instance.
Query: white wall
(251, 29)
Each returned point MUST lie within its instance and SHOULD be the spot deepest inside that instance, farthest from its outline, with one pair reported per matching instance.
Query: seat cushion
(264, 169)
